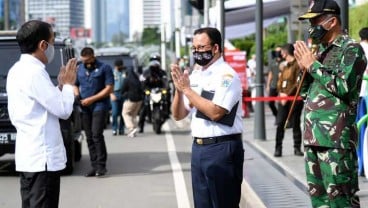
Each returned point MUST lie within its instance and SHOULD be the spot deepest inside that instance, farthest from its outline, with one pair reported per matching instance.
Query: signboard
(80, 32)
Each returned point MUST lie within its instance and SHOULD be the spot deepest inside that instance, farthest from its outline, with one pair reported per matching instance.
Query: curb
(284, 170)
(249, 198)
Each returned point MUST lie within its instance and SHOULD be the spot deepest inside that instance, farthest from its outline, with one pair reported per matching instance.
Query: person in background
(93, 87)
(286, 86)
(153, 77)
(116, 98)
(273, 77)
(132, 93)
(35, 106)
(251, 76)
(331, 93)
(363, 34)
(212, 96)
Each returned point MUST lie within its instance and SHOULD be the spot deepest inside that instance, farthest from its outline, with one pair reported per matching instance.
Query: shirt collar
(215, 64)
(31, 59)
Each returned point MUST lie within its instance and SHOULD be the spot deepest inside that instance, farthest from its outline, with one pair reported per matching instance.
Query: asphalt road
(146, 171)
(149, 170)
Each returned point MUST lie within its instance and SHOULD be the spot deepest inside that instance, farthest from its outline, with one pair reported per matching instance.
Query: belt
(217, 139)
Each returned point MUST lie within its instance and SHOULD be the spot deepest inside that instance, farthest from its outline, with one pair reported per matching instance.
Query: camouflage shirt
(331, 92)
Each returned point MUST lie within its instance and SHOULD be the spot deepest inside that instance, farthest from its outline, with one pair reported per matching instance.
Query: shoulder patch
(226, 80)
(350, 55)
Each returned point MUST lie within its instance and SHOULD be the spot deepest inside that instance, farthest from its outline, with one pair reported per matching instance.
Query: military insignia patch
(226, 80)
(349, 56)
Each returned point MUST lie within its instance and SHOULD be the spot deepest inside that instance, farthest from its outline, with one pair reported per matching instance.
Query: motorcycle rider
(152, 77)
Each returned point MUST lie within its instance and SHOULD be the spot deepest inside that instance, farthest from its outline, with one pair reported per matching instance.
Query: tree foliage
(358, 18)
(275, 35)
(151, 36)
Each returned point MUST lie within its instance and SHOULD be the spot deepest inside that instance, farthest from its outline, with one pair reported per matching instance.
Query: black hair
(119, 62)
(214, 35)
(31, 33)
(363, 33)
(87, 51)
(289, 48)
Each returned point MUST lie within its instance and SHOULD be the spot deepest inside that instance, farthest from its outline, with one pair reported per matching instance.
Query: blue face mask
(202, 58)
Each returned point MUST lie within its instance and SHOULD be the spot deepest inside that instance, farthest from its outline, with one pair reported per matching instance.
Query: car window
(10, 53)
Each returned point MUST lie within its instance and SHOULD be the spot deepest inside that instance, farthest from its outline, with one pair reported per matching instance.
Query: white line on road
(179, 182)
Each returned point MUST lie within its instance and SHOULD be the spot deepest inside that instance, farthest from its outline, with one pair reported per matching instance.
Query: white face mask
(49, 52)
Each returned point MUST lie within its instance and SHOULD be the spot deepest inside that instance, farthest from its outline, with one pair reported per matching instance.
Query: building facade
(11, 14)
(110, 20)
(63, 15)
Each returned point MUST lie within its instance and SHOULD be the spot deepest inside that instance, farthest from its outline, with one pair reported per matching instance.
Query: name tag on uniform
(284, 84)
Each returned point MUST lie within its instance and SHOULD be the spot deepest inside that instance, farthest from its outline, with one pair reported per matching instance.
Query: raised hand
(67, 74)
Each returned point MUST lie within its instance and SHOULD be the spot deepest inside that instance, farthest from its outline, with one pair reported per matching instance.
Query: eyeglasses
(199, 48)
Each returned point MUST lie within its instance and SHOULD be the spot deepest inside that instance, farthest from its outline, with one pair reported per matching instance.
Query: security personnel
(331, 92)
(95, 82)
(212, 95)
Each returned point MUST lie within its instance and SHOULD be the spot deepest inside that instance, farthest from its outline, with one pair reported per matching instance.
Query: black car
(70, 129)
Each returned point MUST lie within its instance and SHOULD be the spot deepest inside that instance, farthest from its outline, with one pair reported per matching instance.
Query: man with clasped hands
(211, 94)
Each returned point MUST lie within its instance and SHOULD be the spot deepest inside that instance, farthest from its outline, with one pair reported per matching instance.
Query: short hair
(363, 33)
(214, 35)
(119, 63)
(289, 48)
(31, 33)
(87, 51)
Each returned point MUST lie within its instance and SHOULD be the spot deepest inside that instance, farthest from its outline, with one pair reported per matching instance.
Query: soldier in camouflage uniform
(331, 91)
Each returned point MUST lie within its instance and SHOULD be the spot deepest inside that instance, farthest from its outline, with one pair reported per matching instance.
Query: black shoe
(297, 152)
(100, 173)
(278, 152)
(141, 130)
(90, 173)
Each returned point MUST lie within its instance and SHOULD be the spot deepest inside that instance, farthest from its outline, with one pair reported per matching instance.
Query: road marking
(179, 182)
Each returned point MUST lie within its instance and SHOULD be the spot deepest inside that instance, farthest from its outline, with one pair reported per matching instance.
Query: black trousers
(282, 113)
(271, 104)
(40, 189)
(93, 125)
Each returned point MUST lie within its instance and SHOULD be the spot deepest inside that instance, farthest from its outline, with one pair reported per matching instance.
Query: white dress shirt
(35, 106)
(225, 83)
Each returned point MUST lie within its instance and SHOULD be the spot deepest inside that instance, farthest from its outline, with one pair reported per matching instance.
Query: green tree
(275, 35)
(151, 36)
(358, 18)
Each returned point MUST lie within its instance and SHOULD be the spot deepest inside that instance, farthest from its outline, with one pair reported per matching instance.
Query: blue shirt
(91, 82)
(119, 77)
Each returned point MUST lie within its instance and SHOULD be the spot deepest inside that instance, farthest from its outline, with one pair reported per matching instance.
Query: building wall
(109, 18)
(15, 17)
(62, 14)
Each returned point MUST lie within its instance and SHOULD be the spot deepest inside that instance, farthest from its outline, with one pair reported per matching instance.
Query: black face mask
(316, 33)
(203, 58)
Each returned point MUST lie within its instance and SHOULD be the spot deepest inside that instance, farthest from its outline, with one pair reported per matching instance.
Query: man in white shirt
(35, 106)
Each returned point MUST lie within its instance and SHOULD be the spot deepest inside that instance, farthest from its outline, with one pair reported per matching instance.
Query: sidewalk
(290, 165)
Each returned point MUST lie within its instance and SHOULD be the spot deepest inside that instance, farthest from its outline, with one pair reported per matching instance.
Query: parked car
(70, 128)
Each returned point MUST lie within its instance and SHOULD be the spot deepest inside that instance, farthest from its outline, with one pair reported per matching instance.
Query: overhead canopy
(240, 20)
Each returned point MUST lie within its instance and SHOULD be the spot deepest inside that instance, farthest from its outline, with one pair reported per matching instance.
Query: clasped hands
(68, 73)
(180, 79)
(303, 55)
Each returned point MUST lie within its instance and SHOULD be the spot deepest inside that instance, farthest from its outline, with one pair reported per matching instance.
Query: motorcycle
(157, 106)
